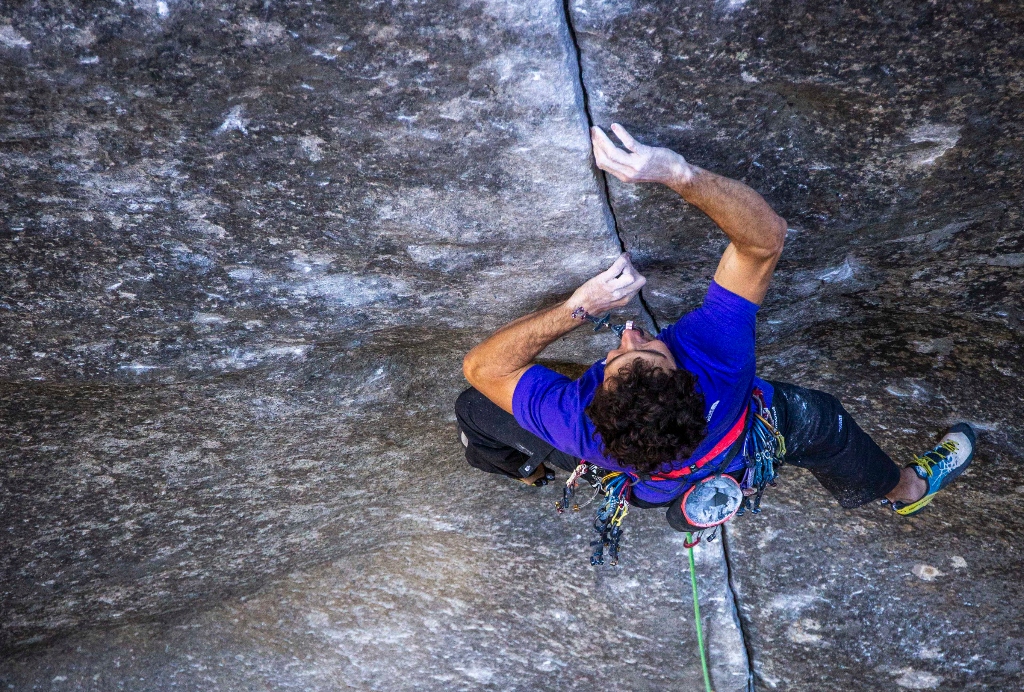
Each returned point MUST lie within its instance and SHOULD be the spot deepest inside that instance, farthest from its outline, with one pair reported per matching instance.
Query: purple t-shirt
(715, 343)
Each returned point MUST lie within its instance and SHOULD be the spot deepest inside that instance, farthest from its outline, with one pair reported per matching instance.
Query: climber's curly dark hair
(647, 415)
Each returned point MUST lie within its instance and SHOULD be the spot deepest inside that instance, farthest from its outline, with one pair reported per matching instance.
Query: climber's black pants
(821, 436)
(495, 443)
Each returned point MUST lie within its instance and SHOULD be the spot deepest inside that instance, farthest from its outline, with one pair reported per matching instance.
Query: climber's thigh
(822, 437)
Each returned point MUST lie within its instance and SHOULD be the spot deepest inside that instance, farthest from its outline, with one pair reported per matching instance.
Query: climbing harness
(614, 485)
(763, 449)
(708, 503)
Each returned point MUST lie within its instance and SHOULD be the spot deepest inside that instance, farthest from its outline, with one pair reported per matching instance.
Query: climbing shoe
(940, 466)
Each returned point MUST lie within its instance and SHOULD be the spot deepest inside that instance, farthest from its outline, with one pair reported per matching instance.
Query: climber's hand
(641, 163)
(610, 289)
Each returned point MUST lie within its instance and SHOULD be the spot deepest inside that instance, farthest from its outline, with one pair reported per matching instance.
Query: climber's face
(636, 344)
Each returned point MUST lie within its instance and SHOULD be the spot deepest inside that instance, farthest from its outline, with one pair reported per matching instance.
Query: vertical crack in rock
(602, 178)
(603, 184)
(735, 604)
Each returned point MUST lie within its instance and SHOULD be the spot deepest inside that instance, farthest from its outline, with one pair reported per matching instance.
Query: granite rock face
(245, 246)
(459, 600)
(887, 135)
(194, 188)
(245, 249)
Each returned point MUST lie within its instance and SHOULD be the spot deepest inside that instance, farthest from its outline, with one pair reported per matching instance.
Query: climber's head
(636, 343)
(648, 411)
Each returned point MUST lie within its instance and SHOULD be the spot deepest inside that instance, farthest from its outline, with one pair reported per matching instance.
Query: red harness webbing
(725, 443)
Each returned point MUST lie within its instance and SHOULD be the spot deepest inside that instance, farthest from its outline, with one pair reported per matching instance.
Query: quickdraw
(601, 323)
(614, 485)
(764, 450)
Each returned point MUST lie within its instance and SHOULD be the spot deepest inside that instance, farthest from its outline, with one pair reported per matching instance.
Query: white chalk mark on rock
(938, 138)
(10, 37)
(804, 631)
(927, 572)
(310, 146)
(234, 121)
(843, 272)
(1012, 259)
(139, 367)
(793, 604)
(942, 347)
(261, 32)
(918, 679)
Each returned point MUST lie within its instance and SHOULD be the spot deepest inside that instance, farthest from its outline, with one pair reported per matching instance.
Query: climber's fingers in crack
(624, 295)
(602, 143)
(629, 276)
(626, 138)
(606, 164)
(626, 272)
(623, 173)
(618, 284)
(609, 157)
(620, 264)
(628, 282)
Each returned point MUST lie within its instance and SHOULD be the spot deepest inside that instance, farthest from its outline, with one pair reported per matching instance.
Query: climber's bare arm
(495, 366)
(755, 231)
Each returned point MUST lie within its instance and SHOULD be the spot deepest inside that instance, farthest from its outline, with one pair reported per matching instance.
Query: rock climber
(679, 420)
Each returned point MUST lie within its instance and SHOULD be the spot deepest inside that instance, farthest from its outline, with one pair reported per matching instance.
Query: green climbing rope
(696, 615)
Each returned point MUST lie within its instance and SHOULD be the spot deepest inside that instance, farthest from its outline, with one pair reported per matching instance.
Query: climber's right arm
(755, 231)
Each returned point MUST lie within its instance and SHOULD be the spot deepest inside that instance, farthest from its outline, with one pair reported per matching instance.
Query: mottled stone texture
(451, 602)
(204, 187)
(888, 134)
(246, 244)
(244, 249)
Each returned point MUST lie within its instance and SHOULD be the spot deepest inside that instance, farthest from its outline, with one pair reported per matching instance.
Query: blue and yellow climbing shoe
(940, 466)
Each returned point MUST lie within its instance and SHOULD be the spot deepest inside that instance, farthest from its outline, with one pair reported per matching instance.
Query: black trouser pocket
(496, 443)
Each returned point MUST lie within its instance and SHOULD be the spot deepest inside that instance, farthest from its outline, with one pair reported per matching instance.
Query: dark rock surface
(245, 248)
(888, 135)
(460, 600)
(246, 244)
(194, 188)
